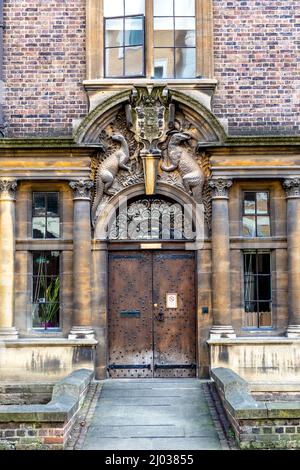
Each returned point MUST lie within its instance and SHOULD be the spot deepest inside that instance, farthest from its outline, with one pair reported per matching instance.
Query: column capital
(82, 189)
(292, 187)
(8, 189)
(220, 187)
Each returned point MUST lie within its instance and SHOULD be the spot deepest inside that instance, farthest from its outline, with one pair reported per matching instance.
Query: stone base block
(81, 332)
(44, 360)
(218, 332)
(8, 333)
(293, 331)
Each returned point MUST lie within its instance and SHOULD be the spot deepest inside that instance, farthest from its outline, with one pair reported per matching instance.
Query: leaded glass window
(151, 219)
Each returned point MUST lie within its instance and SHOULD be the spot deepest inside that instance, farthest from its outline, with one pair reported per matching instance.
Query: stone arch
(109, 104)
(164, 190)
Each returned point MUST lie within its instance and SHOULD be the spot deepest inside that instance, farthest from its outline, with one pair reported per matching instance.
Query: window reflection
(45, 215)
(256, 216)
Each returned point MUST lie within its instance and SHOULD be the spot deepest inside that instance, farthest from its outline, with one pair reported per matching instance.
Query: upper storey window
(156, 35)
(124, 38)
(174, 39)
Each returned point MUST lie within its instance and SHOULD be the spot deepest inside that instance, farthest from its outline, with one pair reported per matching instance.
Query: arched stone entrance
(149, 272)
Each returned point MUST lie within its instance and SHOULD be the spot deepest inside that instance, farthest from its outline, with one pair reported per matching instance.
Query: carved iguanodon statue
(108, 170)
(181, 160)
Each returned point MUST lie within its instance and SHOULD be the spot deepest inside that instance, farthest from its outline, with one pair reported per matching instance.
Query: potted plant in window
(50, 307)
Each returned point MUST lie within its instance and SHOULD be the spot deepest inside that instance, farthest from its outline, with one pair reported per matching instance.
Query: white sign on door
(171, 300)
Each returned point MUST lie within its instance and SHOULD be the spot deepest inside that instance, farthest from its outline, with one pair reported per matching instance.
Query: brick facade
(256, 48)
(255, 54)
(44, 66)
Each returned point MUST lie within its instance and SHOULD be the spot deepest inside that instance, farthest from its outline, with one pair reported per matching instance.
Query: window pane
(40, 263)
(53, 263)
(264, 287)
(163, 32)
(134, 61)
(134, 34)
(251, 315)
(262, 203)
(249, 203)
(38, 227)
(185, 63)
(52, 205)
(114, 33)
(265, 314)
(134, 7)
(163, 7)
(113, 8)
(39, 204)
(163, 63)
(263, 263)
(52, 227)
(263, 226)
(39, 289)
(185, 32)
(249, 229)
(250, 263)
(114, 62)
(45, 289)
(250, 288)
(184, 7)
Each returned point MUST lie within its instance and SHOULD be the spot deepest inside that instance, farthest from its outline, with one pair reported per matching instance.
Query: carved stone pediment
(150, 126)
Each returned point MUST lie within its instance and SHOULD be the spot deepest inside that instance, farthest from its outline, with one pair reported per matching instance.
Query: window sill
(107, 84)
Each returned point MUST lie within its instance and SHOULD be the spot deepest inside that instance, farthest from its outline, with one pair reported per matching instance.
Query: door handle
(160, 316)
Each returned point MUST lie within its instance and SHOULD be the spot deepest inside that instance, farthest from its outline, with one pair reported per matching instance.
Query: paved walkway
(153, 414)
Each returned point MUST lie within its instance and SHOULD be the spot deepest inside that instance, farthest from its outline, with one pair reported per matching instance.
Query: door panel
(174, 328)
(147, 339)
(130, 315)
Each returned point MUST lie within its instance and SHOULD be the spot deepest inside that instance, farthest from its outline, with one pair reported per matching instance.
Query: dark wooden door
(174, 328)
(147, 339)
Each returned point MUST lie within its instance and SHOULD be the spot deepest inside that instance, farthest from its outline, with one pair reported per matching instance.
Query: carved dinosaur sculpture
(181, 160)
(108, 170)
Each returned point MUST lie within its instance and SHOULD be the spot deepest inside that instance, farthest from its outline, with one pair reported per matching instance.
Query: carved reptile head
(180, 137)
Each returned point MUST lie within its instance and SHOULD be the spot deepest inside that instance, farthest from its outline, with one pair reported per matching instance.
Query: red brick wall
(257, 64)
(256, 55)
(44, 44)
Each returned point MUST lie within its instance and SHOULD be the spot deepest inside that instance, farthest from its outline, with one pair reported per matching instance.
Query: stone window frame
(26, 245)
(95, 40)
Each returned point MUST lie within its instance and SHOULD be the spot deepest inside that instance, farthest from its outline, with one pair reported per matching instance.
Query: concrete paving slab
(152, 414)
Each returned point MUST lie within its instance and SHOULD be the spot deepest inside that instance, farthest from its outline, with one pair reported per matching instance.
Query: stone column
(7, 258)
(292, 188)
(221, 285)
(82, 261)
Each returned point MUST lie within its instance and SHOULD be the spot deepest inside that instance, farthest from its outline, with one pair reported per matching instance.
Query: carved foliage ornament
(220, 187)
(292, 187)
(82, 189)
(8, 188)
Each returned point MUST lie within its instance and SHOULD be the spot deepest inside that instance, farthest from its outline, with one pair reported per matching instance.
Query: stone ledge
(65, 401)
(257, 340)
(257, 425)
(25, 342)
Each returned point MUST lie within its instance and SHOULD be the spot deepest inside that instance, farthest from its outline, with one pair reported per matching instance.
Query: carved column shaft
(7, 257)
(221, 301)
(292, 187)
(82, 260)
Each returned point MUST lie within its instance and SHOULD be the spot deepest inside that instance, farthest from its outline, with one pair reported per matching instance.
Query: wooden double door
(151, 317)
